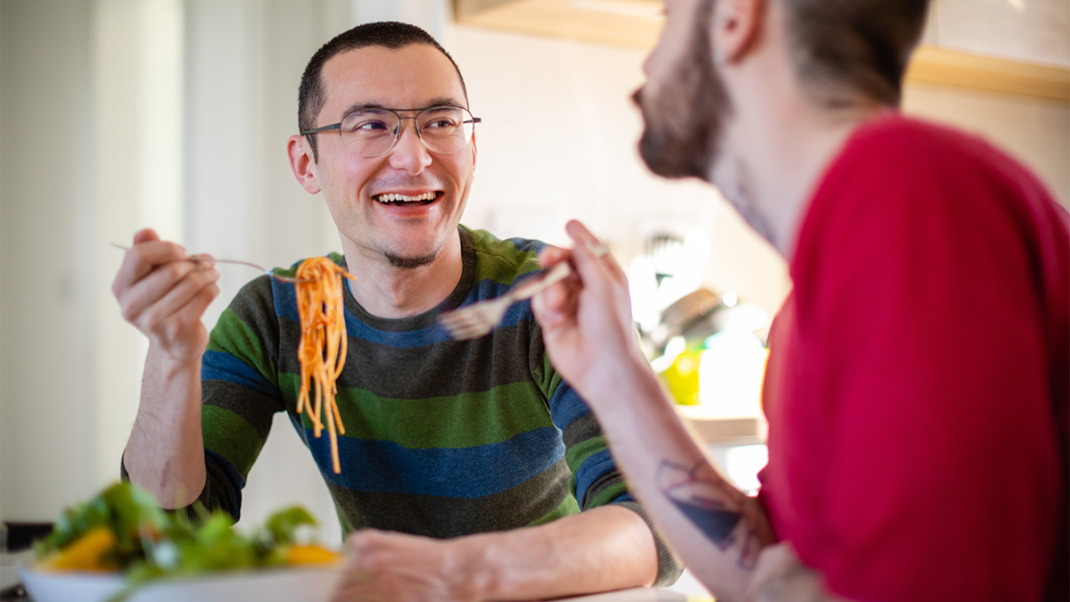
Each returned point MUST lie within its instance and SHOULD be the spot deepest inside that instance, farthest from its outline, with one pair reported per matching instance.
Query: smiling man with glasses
(470, 469)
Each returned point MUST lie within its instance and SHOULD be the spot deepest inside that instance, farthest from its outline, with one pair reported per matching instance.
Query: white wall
(8, 51)
(1036, 131)
(47, 406)
(1035, 31)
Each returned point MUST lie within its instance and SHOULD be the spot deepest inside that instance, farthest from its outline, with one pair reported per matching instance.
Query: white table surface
(638, 595)
(687, 589)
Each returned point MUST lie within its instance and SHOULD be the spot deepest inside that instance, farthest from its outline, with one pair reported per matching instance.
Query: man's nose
(409, 153)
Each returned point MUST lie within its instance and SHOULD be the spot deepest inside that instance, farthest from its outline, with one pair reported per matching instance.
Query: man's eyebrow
(442, 101)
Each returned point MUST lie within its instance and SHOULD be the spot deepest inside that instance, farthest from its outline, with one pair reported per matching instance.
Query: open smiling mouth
(401, 199)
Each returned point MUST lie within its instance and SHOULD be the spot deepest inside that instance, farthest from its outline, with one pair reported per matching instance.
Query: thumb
(587, 252)
(145, 235)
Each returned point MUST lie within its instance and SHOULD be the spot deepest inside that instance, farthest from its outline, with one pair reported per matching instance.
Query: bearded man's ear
(734, 28)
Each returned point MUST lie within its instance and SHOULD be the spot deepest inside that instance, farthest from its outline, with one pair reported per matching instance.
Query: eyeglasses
(373, 132)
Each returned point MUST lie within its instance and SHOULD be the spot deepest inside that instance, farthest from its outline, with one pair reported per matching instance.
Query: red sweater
(917, 389)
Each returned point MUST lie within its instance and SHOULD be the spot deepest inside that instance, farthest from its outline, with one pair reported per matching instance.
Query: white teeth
(390, 198)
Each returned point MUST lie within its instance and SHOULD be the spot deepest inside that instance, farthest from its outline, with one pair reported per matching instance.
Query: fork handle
(530, 289)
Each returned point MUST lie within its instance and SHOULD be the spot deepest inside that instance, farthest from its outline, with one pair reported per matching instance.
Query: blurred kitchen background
(121, 114)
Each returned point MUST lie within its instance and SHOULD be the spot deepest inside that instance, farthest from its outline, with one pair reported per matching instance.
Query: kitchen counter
(748, 430)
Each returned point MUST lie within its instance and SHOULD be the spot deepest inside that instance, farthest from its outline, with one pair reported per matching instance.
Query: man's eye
(439, 124)
(367, 127)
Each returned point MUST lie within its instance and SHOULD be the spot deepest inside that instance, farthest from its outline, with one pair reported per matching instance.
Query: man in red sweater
(917, 387)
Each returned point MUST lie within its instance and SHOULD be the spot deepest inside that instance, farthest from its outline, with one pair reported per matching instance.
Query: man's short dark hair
(851, 50)
(390, 34)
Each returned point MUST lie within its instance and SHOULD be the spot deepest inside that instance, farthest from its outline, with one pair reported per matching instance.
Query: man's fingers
(365, 541)
(554, 305)
(551, 256)
(592, 258)
(139, 294)
(164, 290)
(142, 259)
(145, 235)
(200, 302)
(597, 249)
(580, 234)
(185, 304)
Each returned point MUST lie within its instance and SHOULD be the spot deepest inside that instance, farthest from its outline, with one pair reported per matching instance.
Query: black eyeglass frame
(397, 133)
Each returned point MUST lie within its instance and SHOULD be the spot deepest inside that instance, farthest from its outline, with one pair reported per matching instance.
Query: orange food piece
(90, 552)
(311, 554)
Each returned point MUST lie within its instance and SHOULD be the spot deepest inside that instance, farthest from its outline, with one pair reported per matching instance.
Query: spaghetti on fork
(322, 349)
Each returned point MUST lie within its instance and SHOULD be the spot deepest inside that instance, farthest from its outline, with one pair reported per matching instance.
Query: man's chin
(673, 159)
(410, 262)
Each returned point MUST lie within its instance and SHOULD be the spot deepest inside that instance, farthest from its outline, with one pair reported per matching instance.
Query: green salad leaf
(151, 544)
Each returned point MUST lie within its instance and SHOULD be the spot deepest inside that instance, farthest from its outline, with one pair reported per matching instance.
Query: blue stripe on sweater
(385, 466)
(286, 308)
(566, 406)
(429, 335)
(596, 465)
(220, 365)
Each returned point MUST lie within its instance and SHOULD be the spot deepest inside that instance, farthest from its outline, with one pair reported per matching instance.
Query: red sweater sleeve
(912, 439)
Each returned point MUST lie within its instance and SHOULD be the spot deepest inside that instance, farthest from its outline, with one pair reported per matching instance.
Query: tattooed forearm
(720, 512)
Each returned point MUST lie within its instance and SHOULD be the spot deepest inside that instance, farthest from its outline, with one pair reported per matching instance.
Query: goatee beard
(410, 263)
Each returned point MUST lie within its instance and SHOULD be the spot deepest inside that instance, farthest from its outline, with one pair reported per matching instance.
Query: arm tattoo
(713, 506)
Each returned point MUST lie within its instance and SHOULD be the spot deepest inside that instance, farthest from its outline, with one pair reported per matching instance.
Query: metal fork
(236, 262)
(480, 318)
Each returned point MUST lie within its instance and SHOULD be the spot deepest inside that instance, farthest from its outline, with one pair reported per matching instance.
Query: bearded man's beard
(684, 122)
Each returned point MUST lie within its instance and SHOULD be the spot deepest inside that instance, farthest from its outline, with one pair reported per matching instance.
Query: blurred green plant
(122, 528)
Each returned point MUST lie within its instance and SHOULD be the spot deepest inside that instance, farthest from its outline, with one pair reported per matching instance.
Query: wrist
(169, 366)
(477, 577)
(796, 585)
(611, 384)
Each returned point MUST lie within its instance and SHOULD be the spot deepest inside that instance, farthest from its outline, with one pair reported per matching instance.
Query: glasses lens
(370, 132)
(445, 129)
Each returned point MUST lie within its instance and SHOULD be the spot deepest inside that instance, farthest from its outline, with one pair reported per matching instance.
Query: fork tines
(480, 318)
(473, 321)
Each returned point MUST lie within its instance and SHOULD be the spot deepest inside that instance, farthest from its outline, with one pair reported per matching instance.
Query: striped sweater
(443, 438)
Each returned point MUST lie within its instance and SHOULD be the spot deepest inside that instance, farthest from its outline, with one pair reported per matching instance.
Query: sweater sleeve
(240, 393)
(596, 480)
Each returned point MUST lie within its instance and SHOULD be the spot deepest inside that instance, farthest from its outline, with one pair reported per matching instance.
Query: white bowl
(269, 585)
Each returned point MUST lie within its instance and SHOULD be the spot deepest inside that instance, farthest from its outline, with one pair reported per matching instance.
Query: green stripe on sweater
(460, 421)
(607, 495)
(568, 506)
(232, 335)
(229, 435)
(502, 268)
(578, 453)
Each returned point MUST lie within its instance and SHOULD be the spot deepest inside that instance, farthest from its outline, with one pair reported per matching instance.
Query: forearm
(163, 292)
(602, 549)
(781, 577)
(796, 585)
(165, 452)
(717, 530)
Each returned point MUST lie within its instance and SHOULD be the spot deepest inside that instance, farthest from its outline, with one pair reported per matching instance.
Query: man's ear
(302, 163)
(735, 28)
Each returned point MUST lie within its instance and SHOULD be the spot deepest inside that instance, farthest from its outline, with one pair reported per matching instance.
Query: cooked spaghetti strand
(323, 346)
